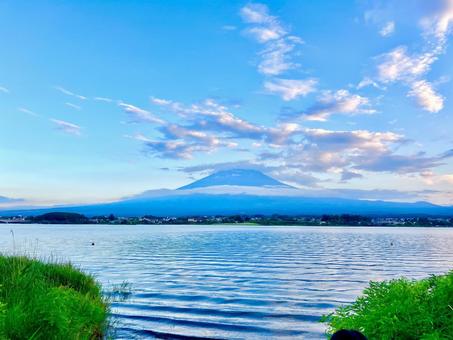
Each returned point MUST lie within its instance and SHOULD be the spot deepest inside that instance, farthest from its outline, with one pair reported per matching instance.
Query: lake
(234, 282)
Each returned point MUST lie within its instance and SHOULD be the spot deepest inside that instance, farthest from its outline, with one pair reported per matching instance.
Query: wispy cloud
(74, 106)
(410, 69)
(4, 89)
(212, 116)
(182, 145)
(27, 111)
(70, 93)
(398, 65)
(278, 44)
(388, 29)
(276, 58)
(160, 101)
(339, 102)
(167, 149)
(365, 82)
(345, 152)
(203, 132)
(229, 27)
(439, 24)
(103, 99)
(431, 178)
(256, 14)
(4, 199)
(66, 127)
(290, 89)
(342, 141)
(277, 54)
(209, 126)
(140, 115)
(347, 175)
(400, 163)
(302, 151)
(425, 96)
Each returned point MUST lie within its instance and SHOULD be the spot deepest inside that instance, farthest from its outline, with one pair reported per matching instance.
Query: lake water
(235, 282)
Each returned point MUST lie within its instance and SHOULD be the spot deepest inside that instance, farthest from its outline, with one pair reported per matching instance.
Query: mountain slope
(241, 192)
(236, 177)
(209, 204)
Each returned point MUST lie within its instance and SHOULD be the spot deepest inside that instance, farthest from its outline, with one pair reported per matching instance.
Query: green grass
(49, 301)
(400, 309)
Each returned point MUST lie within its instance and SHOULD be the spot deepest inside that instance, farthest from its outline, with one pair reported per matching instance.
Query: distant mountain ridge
(241, 191)
(236, 177)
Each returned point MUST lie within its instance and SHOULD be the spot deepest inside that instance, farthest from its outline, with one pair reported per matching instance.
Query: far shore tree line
(284, 220)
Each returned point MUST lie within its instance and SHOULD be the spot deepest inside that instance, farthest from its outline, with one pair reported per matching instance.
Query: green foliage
(400, 309)
(49, 301)
(2, 319)
(60, 218)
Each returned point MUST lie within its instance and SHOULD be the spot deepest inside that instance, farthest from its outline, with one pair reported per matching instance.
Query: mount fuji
(242, 191)
(236, 177)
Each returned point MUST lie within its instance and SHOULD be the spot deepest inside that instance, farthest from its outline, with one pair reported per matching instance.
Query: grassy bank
(400, 309)
(49, 301)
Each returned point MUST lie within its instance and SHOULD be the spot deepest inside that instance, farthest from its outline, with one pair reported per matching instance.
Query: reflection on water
(229, 282)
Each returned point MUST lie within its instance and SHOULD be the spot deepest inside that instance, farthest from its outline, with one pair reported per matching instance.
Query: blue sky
(100, 100)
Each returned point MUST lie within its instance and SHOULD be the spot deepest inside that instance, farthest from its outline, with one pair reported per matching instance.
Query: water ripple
(218, 282)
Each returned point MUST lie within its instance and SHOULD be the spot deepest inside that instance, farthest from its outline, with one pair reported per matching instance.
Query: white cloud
(397, 65)
(439, 24)
(276, 58)
(178, 147)
(278, 43)
(344, 154)
(265, 34)
(174, 131)
(70, 93)
(67, 127)
(339, 141)
(365, 82)
(426, 97)
(347, 153)
(290, 89)
(256, 14)
(441, 181)
(410, 69)
(27, 111)
(74, 106)
(229, 27)
(10, 202)
(140, 115)
(210, 126)
(4, 89)
(103, 99)
(160, 101)
(172, 149)
(388, 29)
(341, 101)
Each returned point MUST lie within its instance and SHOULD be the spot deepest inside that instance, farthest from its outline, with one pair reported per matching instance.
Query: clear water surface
(234, 282)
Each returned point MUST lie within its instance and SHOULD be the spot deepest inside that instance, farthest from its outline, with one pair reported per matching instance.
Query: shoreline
(231, 225)
(246, 220)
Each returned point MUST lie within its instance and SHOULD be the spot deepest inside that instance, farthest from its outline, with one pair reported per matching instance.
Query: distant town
(284, 220)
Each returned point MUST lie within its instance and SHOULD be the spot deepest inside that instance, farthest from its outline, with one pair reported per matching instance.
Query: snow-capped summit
(236, 177)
